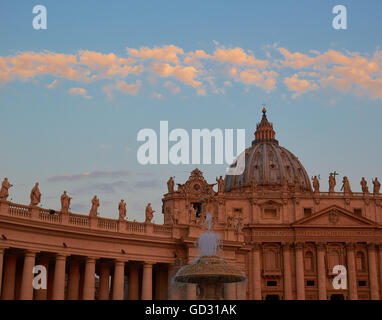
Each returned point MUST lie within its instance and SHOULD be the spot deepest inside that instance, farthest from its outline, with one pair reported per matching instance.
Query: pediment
(334, 216)
(269, 203)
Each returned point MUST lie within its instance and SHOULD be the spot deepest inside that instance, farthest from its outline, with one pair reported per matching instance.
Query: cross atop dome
(264, 130)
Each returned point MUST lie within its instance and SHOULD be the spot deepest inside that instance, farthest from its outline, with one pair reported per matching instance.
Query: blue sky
(62, 113)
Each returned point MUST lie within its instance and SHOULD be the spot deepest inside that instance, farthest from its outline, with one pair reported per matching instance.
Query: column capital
(256, 245)
(379, 245)
(371, 246)
(61, 256)
(299, 245)
(120, 262)
(30, 253)
(321, 245)
(148, 264)
(2, 249)
(287, 245)
(91, 259)
(350, 245)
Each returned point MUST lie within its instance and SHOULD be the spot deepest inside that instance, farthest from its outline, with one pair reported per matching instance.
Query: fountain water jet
(209, 271)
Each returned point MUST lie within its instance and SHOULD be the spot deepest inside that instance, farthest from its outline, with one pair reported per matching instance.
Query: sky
(74, 96)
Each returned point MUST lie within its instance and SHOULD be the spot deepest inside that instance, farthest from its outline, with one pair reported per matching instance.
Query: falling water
(208, 242)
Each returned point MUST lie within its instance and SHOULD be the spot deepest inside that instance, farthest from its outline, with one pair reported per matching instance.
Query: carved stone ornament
(333, 217)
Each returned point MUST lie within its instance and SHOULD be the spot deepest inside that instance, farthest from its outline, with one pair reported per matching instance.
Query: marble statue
(220, 182)
(332, 182)
(149, 213)
(122, 210)
(35, 195)
(170, 185)
(4, 189)
(365, 188)
(94, 208)
(65, 202)
(346, 185)
(316, 184)
(377, 186)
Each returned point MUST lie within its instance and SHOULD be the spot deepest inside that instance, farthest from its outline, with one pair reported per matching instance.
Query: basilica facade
(280, 229)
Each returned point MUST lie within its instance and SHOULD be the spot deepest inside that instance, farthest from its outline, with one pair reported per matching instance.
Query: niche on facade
(270, 210)
(336, 256)
(360, 259)
(309, 261)
(271, 260)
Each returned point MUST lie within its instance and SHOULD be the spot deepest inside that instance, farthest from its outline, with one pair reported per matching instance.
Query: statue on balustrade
(365, 188)
(346, 185)
(316, 184)
(122, 210)
(220, 182)
(170, 185)
(65, 203)
(94, 208)
(35, 195)
(149, 213)
(332, 182)
(4, 189)
(377, 186)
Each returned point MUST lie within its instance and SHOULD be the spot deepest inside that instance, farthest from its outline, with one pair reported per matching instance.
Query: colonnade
(296, 251)
(74, 277)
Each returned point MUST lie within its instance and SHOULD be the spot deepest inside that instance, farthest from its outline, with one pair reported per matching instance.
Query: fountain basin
(209, 269)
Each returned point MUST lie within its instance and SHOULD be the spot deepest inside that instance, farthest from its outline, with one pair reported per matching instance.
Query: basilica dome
(269, 165)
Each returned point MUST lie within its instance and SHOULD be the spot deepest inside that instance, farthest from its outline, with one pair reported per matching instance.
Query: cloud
(157, 95)
(171, 87)
(183, 74)
(102, 188)
(349, 72)
(299, 86)
(79, 92)
(122, 86)
(167, 53)
(90, 175)
(52, 84)
(345, 72)
(237, 56)
(148, 184)
(265, 80)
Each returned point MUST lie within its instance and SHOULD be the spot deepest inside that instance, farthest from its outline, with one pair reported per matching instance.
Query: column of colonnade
(295, 251)
(74, 278)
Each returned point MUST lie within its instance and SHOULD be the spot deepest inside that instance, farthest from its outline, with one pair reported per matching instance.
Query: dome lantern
(264, 130)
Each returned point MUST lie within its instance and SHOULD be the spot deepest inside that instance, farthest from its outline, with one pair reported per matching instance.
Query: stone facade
(284, 235)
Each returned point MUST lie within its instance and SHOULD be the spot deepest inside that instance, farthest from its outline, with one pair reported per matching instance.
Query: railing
(83, 221)
(342, 194)
(47, 216)
(135, 227)
(78, 220)
(162, 229)
(108, 224)
(19, 210)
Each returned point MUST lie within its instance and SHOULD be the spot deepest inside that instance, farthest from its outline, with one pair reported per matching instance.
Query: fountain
(209, 271)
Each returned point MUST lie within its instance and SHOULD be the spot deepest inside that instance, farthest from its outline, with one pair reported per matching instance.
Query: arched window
(308, 261)
(360, 261)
